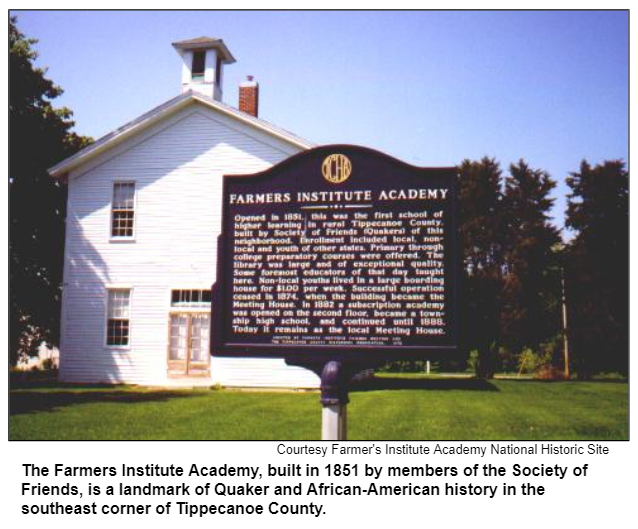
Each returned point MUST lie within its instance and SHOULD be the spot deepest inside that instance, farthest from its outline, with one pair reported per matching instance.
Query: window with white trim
(195, 298)
(123, 210)
(117, 317)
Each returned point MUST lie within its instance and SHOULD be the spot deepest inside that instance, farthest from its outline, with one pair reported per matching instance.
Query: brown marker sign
(340, 252)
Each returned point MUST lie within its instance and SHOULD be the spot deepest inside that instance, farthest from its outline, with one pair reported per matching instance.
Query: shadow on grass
(26, 401)
(441, 384)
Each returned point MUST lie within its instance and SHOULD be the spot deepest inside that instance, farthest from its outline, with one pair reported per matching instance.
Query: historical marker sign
(340, 252)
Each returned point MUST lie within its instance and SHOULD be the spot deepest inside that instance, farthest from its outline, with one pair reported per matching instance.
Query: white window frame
(110, 288)
(175, 309)
(123, 238)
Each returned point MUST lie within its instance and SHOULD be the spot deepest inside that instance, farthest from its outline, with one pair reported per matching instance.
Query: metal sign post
(334, 422)
(334, 402)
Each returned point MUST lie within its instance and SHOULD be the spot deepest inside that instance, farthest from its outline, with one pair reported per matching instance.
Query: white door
(188, 351)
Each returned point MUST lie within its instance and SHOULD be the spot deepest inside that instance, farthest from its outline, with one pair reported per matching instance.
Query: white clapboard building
(144, 213)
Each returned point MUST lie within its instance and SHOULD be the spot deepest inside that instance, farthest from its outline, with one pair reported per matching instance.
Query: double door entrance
(188, 349)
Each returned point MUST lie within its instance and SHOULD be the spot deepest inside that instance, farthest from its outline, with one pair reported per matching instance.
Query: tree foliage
(481, 234)
(598, 267)
(531, 286)
(513, 259)
(40, 136)
(510, 285)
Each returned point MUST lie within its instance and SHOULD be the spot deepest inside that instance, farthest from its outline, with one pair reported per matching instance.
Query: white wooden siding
(177, 168)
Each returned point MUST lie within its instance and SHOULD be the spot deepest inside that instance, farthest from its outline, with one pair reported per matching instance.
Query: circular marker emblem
(336, 168)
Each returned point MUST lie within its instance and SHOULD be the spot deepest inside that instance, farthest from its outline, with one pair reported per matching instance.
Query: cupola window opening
(199, 65)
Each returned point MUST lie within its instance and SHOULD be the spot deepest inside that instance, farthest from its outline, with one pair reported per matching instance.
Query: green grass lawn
(391, 408)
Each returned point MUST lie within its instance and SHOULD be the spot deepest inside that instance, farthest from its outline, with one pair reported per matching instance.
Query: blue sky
(431, 88)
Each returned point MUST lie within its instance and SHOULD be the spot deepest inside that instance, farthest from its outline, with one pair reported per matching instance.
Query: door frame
(182, 368)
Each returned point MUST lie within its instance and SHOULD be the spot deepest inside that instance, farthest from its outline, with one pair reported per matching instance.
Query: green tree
(597, 267)
(481, 234)
(531, 287)
(40, 136)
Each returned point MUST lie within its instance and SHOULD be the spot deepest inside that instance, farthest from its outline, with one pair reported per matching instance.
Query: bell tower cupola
(203, 61)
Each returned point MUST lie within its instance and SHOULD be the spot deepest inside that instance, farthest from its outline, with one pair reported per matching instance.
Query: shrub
(48, 364)
(549, 372)
(404, 366)
(473, 361)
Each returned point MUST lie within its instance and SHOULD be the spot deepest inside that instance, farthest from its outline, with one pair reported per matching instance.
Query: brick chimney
(249, 96)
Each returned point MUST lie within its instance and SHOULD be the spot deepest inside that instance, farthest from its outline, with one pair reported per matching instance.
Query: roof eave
(217, 44)
(111, 140)
(254, 122)
(119, 135)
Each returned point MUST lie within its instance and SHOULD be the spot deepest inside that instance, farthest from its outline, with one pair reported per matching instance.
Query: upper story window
(123, 210)
(199, 64)
(117, 317)
(190, 298)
